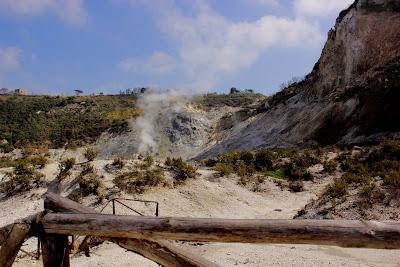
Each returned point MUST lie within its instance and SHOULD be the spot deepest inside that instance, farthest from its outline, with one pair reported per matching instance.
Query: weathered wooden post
(55, 250)
(12, 243)
(13, 236)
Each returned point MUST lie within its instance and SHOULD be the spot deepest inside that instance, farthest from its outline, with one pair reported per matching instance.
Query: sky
(57, 46)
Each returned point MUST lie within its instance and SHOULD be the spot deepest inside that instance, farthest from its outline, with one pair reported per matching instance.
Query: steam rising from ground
(157, 105)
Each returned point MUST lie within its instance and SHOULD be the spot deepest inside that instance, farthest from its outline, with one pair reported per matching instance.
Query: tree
(78, 92)
(3, 91)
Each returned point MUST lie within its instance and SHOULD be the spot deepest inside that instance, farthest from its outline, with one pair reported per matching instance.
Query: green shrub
(65, 166)
(264, 160)
(90, 184)
(6, 148)
(230, 157)
(371, 194)
(297, 168)
(243, 180)
(392, 179)
(384, 166)
(294, 173)
(148, 161)
(6, 162)
(211, 162)
(90, 154)
(22, 168)
(345, 161)
(137, 181)
(256, 187)
(76, 196)
(223, 169)
(296, 186)
(86, 169)
(150, 178)
(182, 170)
(355, 178)
(386, 150)
(358, 167)
(337, 189)
(330, 166)
(246, 157)
(287, 153)
(243, 170)
(38, 161)
(168, 162)
(118, 163)
(21, 180)
(242, 99)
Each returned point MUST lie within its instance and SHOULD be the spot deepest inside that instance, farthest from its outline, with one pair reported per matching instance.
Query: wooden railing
(148, 236)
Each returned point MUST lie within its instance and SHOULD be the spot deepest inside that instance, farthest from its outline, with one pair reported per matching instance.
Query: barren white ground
(217, 198)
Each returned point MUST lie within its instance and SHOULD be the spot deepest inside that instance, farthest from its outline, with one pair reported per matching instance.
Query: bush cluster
(118, 163)
(37, 157)
(181, 169)
(296, 170)
(246, 163)
(90, 154)
(64, 167)
(330, 166)
(23, 178)
(337, 189)
(371, 194)
(214, 100)
(138, 181)
(89, 183)
(363, 168)
(243, 163)
(145, 176)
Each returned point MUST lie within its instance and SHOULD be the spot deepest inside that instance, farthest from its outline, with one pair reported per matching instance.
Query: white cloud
(319, 8)
(158, 63)
(9, 58)
(69, 11)
(211, 46)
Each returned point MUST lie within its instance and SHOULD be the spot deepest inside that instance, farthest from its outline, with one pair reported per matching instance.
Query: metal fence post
(113, 206)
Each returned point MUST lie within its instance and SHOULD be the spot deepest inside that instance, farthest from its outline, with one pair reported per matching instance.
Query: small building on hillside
(20, 91)
(234, 90)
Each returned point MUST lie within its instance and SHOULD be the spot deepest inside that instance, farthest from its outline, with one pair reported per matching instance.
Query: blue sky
(56, 46)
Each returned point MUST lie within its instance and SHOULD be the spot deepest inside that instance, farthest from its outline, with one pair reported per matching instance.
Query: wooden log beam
(13, 242)
(4, 231)
(344, 233)
(162, 252)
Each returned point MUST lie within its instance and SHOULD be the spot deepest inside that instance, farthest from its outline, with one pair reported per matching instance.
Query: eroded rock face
(351, 96)
(366, 35)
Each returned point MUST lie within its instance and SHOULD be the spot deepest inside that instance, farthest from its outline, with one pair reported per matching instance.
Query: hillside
(61, 121)
(351, 95)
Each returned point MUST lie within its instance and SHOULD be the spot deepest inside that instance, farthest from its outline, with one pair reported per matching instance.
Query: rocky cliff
(351, 95)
